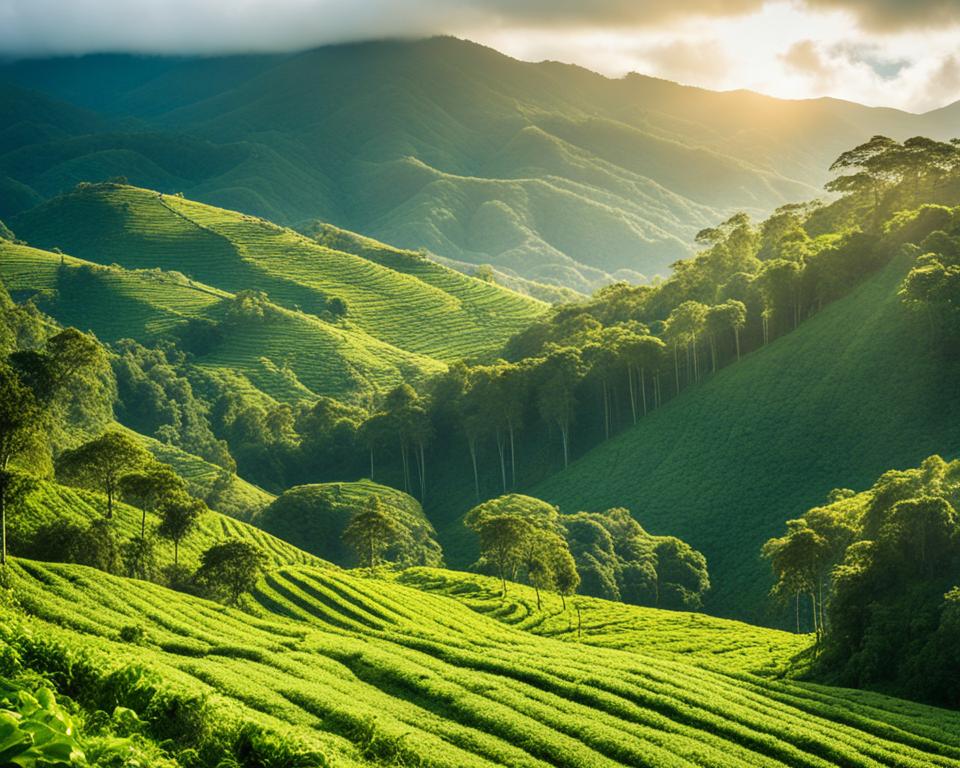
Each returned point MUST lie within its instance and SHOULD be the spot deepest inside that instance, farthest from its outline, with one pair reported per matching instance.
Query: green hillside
(545, 170)
(313, 517)
(373, 673)
(53, 504)
(289, 355)
(399, 299)
(223, 491)
(857, 389)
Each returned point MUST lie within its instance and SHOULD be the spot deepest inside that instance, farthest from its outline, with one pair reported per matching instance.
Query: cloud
(804, 58)
(896, 15)
(217, 26)
(703, 62)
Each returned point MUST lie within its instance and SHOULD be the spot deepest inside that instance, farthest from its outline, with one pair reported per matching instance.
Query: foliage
(871, 560)
(230, 568)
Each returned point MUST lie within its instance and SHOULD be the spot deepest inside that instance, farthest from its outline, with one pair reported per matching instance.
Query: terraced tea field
(289, 356)
(424, 309)
(375, 672)
(51, 503)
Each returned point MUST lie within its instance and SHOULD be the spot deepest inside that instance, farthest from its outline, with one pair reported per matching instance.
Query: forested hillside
(544, 170)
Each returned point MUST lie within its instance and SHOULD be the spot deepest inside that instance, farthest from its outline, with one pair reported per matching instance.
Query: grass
(377, 672)
(854, 391)
(291, 356)
(421, 308)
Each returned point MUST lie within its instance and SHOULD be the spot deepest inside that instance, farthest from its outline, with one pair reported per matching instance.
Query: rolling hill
(397, 298)
(53, 504)
(545, 171)
(372, 672)
(289, 356)
(856, 390)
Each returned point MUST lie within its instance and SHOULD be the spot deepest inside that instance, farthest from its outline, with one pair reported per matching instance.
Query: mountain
(545, 171)
(856, 390)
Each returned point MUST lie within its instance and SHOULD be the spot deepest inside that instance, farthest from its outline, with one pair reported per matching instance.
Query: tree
(559, 374)
(547, 561)
(151, 488)
(565, 574)
(728, 317)
(20, 425)
(371, 531)
(502, 541)
(796, 560)
(231, 568)
(684, 326)
(179, 516)
(100, 463)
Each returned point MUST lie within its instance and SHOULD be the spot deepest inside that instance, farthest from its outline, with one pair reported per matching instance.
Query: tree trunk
(3, 523)
(606, 411)
(109, 489)
(643, 389)
(563, 439)
(798, 610)
(143, 525)
(676, 366)
(473, 458)
(537, 590)
(813, 605)
(513, 457)
(406, 466)
(736, 338)
(501, 448)
(176, 552)
(713, 353)
(371, 463)
(423, 474)
(564, 601)
(633, 397)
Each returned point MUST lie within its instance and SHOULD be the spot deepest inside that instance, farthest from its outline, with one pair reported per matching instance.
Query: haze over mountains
(545, 171)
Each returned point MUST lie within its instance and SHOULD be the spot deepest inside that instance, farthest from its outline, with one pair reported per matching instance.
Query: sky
(898, 53)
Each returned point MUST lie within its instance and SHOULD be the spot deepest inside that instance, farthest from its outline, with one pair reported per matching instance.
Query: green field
(374, 672)
(856, 390)
(408, 303)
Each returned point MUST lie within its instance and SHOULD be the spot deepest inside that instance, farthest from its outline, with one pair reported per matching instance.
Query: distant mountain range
(545, 171)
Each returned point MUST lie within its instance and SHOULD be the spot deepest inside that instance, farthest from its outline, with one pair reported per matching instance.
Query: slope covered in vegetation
(287, 355)
(314, 517)
(50, 506)
(371, 672)
(857, 389)
(399, 299)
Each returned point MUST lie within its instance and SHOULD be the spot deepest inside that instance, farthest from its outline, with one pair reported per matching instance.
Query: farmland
(371, 671)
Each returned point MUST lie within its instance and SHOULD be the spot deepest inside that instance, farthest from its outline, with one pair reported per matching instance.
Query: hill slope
(398, 298)
(545, 170)
(54, 504)
(287, 355)
(853, 392)
(374, 672)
